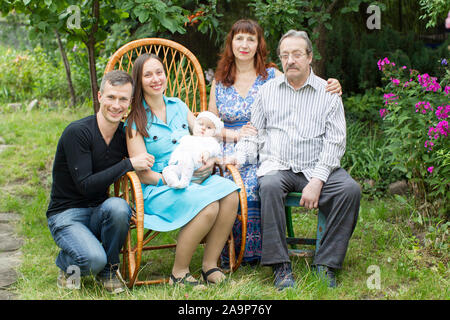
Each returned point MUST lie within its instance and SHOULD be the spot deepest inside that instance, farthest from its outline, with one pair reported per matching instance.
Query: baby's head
(207, 124)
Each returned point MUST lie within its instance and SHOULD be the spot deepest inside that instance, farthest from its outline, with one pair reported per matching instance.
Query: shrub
(28, 75)
(415, 120)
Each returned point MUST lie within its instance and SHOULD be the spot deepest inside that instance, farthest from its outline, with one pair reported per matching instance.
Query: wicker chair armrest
(136, 187)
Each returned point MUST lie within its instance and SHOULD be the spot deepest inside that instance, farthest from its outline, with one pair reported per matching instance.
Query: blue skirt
(169, 209)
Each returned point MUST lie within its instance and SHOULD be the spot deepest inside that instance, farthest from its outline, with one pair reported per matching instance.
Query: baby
(193, 150)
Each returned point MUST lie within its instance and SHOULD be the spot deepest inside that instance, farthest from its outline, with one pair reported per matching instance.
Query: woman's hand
(206, 170)
(333, 86)
(247, 130)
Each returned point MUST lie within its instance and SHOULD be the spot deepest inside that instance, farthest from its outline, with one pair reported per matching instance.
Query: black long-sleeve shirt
(85, 166)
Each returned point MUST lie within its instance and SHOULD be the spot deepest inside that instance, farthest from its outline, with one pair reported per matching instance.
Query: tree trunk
(90, 44)
(73, 99)
(93, 75)
(319, 65)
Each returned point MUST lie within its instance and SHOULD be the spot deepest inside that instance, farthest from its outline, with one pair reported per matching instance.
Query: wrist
(161, 181)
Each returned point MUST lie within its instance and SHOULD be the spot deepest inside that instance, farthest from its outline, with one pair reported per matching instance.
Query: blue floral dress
(234, 110)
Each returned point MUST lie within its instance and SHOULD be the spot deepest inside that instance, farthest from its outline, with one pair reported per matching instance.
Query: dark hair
(116, 78)
(138, 115)
(226, 67)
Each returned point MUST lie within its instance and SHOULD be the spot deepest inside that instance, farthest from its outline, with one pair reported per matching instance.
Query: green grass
(411, 264)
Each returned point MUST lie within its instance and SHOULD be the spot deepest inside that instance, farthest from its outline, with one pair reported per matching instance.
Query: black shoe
(283, 275)
(327, 274)
(187, 280)
(207, 273)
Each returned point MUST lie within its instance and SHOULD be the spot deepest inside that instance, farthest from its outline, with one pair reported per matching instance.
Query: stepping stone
(9, 261)
(9, 243)
(8, 239)
(7, 295)
(10, 255)
(6, 217)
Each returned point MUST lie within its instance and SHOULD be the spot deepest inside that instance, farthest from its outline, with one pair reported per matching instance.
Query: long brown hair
(138, 115)
(226, 67)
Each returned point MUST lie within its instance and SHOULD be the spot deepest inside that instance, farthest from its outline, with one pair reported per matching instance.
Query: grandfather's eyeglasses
(295, 55)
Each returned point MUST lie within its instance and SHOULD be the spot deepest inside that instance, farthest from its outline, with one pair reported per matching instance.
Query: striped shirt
(303, 130)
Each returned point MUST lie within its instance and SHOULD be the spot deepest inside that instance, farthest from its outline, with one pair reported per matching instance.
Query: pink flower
(429, 83)
(395, 81)
(442, 112)
(429, 145)
(447, 90)
(381, 63)
(389, 97)
(442, 127)
(430, 169)
(423, 107)
(383, 112)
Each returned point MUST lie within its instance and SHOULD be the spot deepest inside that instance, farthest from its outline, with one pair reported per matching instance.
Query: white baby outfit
(187, 156)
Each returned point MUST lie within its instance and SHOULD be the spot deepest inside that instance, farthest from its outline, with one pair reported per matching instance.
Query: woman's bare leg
(219, 233)
(190, 237)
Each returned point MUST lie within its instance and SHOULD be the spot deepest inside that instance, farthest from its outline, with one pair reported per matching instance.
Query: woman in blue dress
(203, 210)
(240, 72)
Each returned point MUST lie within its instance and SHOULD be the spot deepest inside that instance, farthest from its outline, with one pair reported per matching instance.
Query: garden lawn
(386, 237)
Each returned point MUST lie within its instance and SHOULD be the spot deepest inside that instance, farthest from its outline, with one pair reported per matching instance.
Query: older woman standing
(203, 210)
(241, 70)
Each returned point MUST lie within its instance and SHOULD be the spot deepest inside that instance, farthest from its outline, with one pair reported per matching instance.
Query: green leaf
(400, 199)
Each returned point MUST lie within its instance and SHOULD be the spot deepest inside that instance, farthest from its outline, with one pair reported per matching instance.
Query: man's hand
(143, 161)
(311, 194)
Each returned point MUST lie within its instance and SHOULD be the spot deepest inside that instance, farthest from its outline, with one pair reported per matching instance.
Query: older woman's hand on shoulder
(333, 86)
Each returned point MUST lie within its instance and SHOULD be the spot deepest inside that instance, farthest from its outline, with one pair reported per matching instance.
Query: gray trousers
(338, 201)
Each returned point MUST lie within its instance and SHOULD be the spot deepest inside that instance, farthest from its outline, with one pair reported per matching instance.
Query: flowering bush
(415, 119)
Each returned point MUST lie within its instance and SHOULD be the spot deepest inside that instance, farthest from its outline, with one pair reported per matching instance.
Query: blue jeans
(91, 238)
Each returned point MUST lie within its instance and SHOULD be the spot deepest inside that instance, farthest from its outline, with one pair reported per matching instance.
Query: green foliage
(352, 54)
(208, 21)
(415, 120)
(30, 75)
(277, 17)
(435, 11)
(161, 15)
(363, 107)
(365, 158)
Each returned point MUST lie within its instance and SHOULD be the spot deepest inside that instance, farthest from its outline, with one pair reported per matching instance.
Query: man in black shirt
(89, 227)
